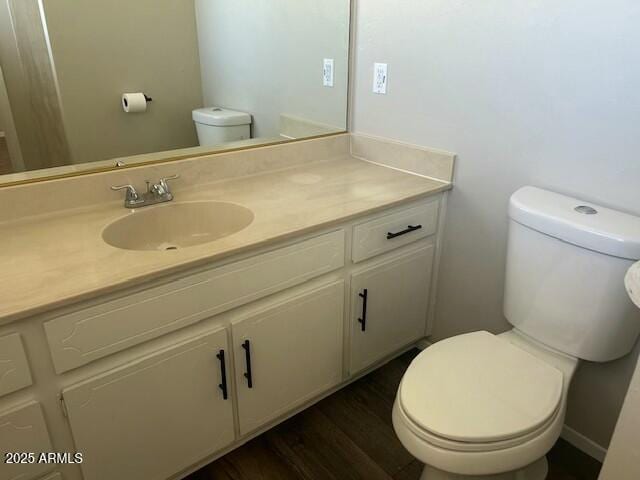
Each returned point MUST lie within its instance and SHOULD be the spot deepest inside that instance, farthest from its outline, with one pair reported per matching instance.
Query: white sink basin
(172, 226)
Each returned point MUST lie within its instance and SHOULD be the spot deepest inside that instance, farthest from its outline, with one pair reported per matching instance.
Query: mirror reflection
(88, 83)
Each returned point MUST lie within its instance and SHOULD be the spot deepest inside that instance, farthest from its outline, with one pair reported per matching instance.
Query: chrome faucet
(156, 193)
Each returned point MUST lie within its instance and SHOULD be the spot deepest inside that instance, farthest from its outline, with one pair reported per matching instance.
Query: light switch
(380, 78)
(328, 73)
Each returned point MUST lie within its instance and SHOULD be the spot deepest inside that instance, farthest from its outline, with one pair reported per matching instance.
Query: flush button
(585, 210)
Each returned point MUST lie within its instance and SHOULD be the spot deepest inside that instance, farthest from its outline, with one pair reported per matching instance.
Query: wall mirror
(87, 85)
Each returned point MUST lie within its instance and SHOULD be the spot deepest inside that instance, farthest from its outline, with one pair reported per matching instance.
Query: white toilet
(216, 126)
(492, 406)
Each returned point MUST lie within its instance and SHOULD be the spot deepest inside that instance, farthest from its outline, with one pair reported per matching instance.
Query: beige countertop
(54, 260)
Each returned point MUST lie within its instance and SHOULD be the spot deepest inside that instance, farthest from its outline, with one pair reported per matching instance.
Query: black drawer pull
(409, 229)
(363, 320)
(247, 355)
(223, 371)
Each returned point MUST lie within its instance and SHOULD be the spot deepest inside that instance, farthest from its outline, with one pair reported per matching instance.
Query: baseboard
(424, 343)
(584, 444)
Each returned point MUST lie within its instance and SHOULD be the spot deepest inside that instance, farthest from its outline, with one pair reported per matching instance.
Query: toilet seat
(510, 365)
(472, 447)
(486, 460)
(479, 392)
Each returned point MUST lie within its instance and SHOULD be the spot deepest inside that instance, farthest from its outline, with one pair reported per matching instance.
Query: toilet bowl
(483, 405)
(489, 406)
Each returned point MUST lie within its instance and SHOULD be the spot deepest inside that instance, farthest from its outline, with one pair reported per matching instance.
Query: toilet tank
(217, 125)
(566, 262)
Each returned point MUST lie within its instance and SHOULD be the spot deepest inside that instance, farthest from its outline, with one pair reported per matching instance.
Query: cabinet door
(155, 417)
(389, 303)
(23, 430)
(288, 354)
(14, 368)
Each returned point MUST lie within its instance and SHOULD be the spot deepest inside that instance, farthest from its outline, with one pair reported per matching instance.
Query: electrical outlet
(328, 73)
(380, 78)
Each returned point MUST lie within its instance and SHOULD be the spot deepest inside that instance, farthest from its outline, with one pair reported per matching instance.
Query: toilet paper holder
(135, 102)
(146, 97)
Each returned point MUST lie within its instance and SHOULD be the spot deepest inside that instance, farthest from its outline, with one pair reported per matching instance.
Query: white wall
(265, 57)
(539, 92)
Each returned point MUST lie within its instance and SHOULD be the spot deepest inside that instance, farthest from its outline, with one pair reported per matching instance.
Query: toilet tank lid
(578, 222)
(220, 117)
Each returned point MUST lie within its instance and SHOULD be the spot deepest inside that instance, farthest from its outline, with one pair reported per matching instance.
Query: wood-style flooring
(5, 161)
(349, 436)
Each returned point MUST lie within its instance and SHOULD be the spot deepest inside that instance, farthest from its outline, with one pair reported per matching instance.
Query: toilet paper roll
(134, 102)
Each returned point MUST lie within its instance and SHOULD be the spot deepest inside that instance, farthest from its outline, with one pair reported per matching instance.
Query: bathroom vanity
(154, 358)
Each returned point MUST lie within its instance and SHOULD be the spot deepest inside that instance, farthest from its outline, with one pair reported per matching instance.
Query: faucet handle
(172, 177)
(132, 194)
(163, 181)
(131, 199)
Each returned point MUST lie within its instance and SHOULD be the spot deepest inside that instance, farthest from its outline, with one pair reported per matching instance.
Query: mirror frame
(120, 164)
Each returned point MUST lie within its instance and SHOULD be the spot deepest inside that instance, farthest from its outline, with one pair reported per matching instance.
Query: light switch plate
(328, 72)
(380, 78)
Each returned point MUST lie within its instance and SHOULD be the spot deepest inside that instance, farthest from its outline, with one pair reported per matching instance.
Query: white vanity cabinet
(389, 303)
(288, 354)
(157, 416)
(162, 378)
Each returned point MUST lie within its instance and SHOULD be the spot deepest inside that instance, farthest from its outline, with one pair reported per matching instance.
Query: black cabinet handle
(247, 354)
(363, 320)
(409, 229)
(223, 371)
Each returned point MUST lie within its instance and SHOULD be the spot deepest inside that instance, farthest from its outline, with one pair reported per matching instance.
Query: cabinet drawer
(23, 430)
(14, 369)
(395, 230)
(81, 337)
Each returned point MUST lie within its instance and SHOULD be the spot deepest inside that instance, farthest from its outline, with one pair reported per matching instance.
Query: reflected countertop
(50, 261)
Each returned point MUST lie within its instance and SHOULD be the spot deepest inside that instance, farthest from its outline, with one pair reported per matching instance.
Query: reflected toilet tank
(216, 125)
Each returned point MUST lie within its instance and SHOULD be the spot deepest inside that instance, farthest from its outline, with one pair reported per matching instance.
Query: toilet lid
(479, 388)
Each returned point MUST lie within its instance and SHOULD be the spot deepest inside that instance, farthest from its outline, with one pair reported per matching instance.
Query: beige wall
(543, 93)
(103, 49)
(265, 57)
